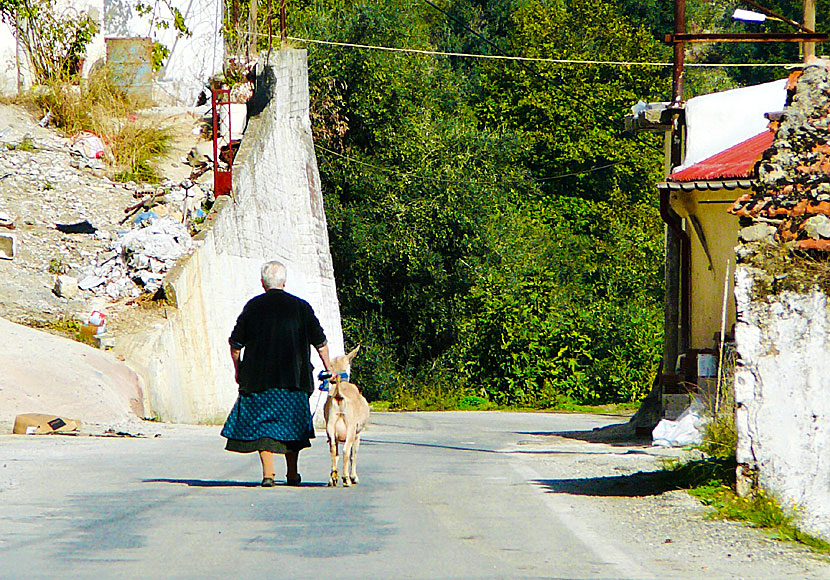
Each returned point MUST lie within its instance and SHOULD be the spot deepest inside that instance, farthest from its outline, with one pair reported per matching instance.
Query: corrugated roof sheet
(736, 162)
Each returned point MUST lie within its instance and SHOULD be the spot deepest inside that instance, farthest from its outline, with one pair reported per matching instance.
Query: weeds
(89, 106)
(712, 481)
(25, 145)
(721, 437)
(99, 106)
(134, 148)
(64, 326)
(57, 266)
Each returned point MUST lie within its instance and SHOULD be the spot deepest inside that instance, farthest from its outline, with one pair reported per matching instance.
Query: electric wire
(537, 59)
(464, 181)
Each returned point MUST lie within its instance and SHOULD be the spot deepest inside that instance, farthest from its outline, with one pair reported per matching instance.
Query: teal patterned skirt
(276, 420)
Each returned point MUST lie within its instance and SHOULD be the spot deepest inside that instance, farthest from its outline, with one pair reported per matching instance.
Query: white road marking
(604, 548)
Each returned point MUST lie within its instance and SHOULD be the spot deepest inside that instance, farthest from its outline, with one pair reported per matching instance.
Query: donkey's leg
(348, 457)
(353, 465)
(331, 434)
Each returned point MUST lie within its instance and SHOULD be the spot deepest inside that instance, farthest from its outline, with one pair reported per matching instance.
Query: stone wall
(276, 212)
(782, 391)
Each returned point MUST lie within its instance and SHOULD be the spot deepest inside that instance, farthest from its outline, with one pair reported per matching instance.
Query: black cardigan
(275, 330)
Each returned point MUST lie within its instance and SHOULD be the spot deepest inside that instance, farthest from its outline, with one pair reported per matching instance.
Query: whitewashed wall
(9, 62)
(192, 60)
(782, 389)
(276, 213)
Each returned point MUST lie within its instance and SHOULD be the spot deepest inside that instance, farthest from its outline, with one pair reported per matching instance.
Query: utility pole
(809, 23)
(252, 31)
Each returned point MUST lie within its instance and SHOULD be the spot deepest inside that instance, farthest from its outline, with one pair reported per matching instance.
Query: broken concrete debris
(6, 221)
(66, 287)
(8, 246)
(140, 256)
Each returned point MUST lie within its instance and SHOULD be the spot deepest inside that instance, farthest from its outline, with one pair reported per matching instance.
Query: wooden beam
(741, 37)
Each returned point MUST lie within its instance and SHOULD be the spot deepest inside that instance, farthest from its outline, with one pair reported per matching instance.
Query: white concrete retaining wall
(782, 389)
(192, 59)
(276, 213)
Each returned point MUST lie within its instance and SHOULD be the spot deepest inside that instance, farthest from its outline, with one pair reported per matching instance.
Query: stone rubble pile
(78, 234)
(138, 259)
(790, 201)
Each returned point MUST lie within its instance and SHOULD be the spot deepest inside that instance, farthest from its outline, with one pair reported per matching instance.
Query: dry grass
(789, 269)
(97, 105)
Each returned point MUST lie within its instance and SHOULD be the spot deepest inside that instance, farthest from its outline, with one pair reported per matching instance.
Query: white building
(193, 59)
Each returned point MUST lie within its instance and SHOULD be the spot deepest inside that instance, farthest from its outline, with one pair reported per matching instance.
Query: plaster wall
(719, 231)
(782, 389)
(8, 60)
(276, 212)
(192, 59)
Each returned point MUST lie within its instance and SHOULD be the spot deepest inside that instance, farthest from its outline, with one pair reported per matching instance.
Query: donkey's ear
(352, 354)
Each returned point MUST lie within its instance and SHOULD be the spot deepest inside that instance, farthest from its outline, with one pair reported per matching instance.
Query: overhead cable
(537, 59)
(440, 180)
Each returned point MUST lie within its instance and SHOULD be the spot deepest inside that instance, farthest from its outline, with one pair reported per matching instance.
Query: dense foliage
(495, 233)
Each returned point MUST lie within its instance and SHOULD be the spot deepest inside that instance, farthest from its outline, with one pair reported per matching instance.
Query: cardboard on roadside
(41, 424)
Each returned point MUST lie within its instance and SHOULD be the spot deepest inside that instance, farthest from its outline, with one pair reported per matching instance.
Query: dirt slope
(42, 185)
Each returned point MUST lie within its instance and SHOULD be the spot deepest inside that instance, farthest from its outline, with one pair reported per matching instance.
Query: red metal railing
(222, 179)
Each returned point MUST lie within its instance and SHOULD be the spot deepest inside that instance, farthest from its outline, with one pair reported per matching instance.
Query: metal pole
(282, 24)
(809, 22)
(679, 52)
(677, 243)
(671, 302)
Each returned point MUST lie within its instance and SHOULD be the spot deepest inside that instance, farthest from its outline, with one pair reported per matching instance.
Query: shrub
(53, 41)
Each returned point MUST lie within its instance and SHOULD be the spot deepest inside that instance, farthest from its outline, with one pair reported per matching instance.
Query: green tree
(493, 231)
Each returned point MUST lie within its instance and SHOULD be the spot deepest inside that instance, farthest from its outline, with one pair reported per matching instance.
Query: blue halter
(325, 385)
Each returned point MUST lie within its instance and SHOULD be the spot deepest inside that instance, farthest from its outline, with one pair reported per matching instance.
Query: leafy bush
(494, 235)
(54, 40)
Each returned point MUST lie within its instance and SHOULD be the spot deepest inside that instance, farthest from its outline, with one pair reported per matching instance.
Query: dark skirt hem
(266, 444)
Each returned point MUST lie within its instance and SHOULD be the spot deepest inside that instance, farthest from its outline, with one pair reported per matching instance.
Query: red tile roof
(737, 161)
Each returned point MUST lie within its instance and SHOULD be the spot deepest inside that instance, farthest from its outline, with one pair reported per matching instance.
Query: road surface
(442, 495)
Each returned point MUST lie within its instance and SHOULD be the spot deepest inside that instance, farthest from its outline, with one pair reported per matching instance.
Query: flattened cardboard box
(40, 424)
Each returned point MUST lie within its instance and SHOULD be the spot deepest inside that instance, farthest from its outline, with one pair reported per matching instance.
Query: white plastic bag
(88, 144)
(688, 429)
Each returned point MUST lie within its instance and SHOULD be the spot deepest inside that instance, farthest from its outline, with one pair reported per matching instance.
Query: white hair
(273, 275)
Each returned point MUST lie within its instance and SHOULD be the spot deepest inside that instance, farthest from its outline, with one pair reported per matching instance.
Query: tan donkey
(346, 412)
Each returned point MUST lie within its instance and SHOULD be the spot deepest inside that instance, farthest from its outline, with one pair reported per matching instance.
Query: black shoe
(267, 482)
(294, 481)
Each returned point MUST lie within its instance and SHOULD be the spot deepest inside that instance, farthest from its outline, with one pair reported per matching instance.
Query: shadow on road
(643, 483)
(220, 483)
(619, 435)
(203, 482)
(482, 449)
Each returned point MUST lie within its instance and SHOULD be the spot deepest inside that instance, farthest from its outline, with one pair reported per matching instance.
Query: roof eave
(707, 184)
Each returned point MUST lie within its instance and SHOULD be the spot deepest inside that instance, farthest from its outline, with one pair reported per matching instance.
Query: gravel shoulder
(666, 530)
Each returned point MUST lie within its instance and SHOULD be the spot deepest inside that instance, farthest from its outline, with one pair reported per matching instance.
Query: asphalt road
(452, 495)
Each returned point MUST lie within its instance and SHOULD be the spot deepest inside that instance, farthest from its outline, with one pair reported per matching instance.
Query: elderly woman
(271, 357)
